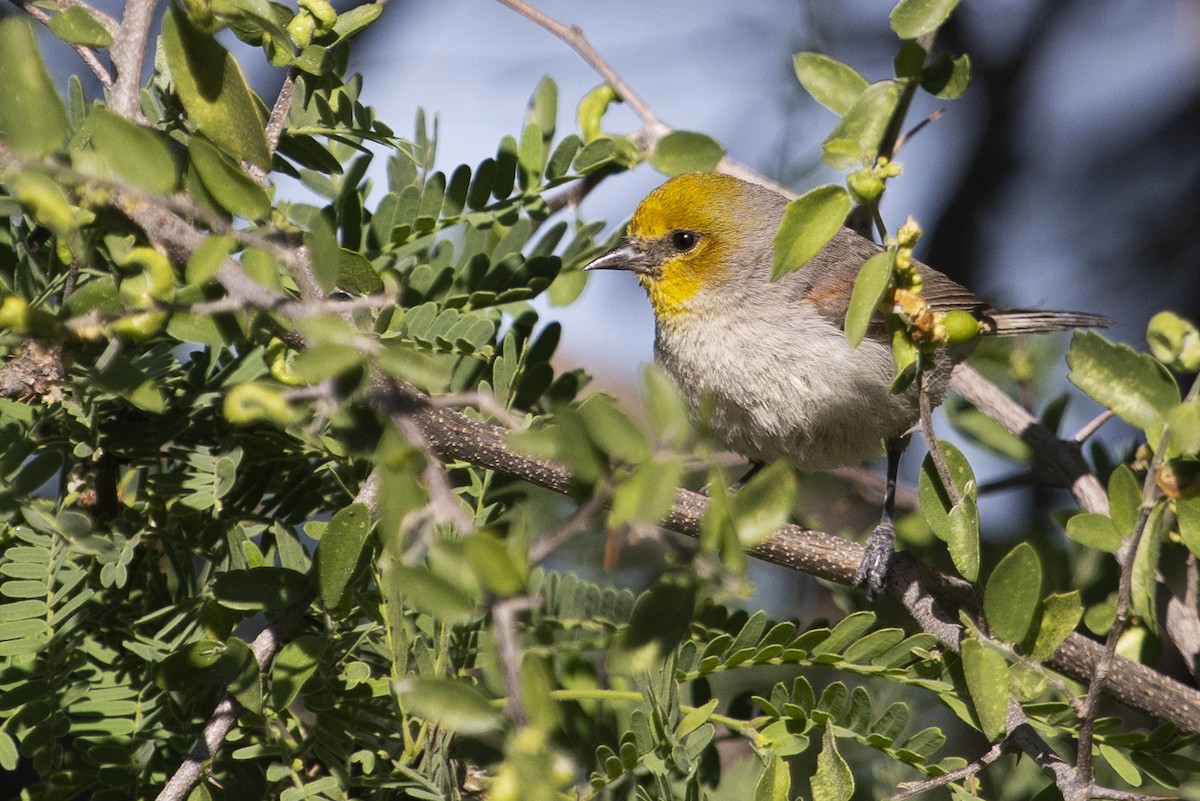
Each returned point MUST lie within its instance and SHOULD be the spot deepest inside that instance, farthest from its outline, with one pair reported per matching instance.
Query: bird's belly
(768, 394)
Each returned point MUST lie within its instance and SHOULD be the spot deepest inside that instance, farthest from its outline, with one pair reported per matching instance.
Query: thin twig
(508, 651)
(573, 36)
(442, 501)
(910, 789)
(576, 523)
(935, 452)
(1062, 459)
(265, 647)
(1092, 426)
(90, 57)
(128, 54)
(279, 114)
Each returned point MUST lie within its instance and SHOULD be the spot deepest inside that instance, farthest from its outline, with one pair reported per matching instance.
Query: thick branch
(128, 54)
(452, 435)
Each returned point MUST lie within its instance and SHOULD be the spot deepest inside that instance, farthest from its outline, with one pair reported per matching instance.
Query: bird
(767, 363)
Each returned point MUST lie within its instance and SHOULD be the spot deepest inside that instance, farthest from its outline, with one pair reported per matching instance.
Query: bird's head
(694, 234)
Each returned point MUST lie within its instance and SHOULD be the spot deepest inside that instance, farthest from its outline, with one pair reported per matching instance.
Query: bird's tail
(1010, 322)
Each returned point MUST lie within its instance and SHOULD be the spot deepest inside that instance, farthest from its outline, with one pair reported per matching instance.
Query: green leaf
(831, 83)
(958, 527)
(1124, 499)
(77, 26)
(1134, 385)
(356, 275)
(983, 430)
(531, 155)
(240, 669)
(660, 619)
(686, 151)
(1061, 613)
(986, 672)
(1095, 531)
(873, 280)
(297, 661)
(1122, 764)
(947, 77)
(613, 430)
(235, 191)
(494, 564)
(1187, 513)
(775, 781)
(1143, 594)
(543, 109)
(1013, 592)
(261, 588)
(323, 252)
(432, 594)
(213, 91)
(832, 780)
(117, 148)
(1183, 422)
(913, 18)
(33, 120)
(339, 552)
(647, 495)
(809, 223)
(855, 140)
(763, 505)
(453, 705)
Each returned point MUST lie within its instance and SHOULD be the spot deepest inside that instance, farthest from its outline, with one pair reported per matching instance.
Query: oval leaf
(452, 705)
(33, 119)
(831, 83)
(213, 90)
(872, 282)
(986, 672)
(855, 140)
(339, 551)
(1134, 385)
(686, 151)
(912, 18)
(809, 222)
(1010, 600)
(261, 588)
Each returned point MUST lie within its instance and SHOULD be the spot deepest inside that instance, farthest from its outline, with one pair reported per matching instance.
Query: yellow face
(684, 228)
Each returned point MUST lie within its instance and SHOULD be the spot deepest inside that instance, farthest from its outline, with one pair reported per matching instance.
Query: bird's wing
(829, 289)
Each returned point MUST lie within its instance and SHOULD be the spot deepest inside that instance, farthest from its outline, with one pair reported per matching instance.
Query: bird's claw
(873, 569)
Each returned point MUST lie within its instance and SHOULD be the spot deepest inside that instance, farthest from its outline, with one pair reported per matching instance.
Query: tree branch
(932, 597)
(128, 54)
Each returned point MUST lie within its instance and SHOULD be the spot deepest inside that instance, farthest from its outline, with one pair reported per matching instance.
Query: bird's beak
(627, 255)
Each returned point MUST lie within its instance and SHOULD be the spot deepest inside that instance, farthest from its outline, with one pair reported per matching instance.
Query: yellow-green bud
(1174, 341)
(961, 326)
(140, 327)
(279, 362)
(14, 314)
(591, 110)
(865, 186)
(301, 28)
(322, 10)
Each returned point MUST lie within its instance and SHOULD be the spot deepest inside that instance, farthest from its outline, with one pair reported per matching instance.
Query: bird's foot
(873, 570)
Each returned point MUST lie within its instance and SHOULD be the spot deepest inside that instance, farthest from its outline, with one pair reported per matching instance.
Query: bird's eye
(683, 241)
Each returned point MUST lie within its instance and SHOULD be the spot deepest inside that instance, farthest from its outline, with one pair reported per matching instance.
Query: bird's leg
(755, 469)
(881, 544)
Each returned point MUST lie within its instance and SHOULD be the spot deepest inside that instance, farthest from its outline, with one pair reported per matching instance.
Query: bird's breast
(784, 385)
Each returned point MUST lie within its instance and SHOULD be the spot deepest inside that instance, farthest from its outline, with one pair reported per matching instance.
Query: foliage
(207, 428)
